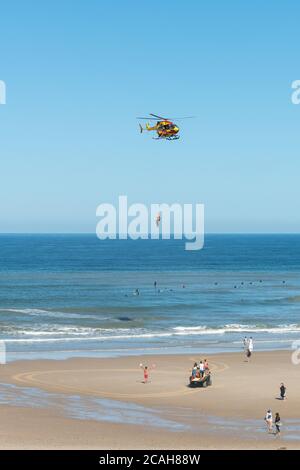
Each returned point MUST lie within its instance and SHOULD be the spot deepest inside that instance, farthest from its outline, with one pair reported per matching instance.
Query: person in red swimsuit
(146, 374)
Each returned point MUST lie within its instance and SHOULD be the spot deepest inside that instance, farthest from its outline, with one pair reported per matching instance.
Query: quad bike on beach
(204, 381)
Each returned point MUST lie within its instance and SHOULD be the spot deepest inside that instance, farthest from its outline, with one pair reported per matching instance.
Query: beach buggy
(200, 377)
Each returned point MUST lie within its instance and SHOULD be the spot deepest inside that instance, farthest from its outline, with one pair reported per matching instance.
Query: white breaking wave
(92, 338)
(36, 312)
(236, 328)
(67, 334)
(68, 330)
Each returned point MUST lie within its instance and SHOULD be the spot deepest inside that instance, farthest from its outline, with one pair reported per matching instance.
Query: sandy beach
(84, 403)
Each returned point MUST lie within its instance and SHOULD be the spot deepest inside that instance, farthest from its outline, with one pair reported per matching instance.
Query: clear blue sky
(79, 72)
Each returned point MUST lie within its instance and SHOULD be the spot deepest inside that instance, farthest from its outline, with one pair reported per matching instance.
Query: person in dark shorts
(277, 424)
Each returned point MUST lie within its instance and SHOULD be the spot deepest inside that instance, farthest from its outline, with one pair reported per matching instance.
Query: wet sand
(87, 403)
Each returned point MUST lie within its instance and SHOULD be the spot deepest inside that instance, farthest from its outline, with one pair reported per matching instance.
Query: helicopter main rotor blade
(148, 118)
(184, 117)
(159, 117)
(172, 118)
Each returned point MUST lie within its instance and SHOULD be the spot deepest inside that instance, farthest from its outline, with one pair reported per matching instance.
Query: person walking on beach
(277, 424)
(269, 420)
(282, 391)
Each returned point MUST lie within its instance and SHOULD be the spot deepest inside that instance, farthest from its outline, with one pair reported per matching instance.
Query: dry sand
(227, 415)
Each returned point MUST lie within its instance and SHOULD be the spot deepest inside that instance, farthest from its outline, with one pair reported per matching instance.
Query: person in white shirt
(269, 420)
(202, 368)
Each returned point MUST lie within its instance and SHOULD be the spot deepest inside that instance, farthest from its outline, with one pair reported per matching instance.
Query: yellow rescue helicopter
(165, 128)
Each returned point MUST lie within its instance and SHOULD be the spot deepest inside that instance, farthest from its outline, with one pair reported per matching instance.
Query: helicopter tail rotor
(141, 129)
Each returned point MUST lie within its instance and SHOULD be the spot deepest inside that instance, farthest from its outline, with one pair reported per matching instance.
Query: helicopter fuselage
(164, 129)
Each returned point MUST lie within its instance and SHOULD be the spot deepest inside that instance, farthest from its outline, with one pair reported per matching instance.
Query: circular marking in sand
(86, 381)
(218, 367)
(45, 379)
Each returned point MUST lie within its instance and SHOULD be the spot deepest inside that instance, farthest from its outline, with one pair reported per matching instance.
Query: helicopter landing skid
(172, 137)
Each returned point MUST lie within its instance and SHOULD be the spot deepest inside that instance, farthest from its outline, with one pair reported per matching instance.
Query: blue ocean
(74, 295)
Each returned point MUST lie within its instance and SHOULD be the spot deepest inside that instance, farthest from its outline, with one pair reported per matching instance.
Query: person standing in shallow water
(269, 420)
(277, 424)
